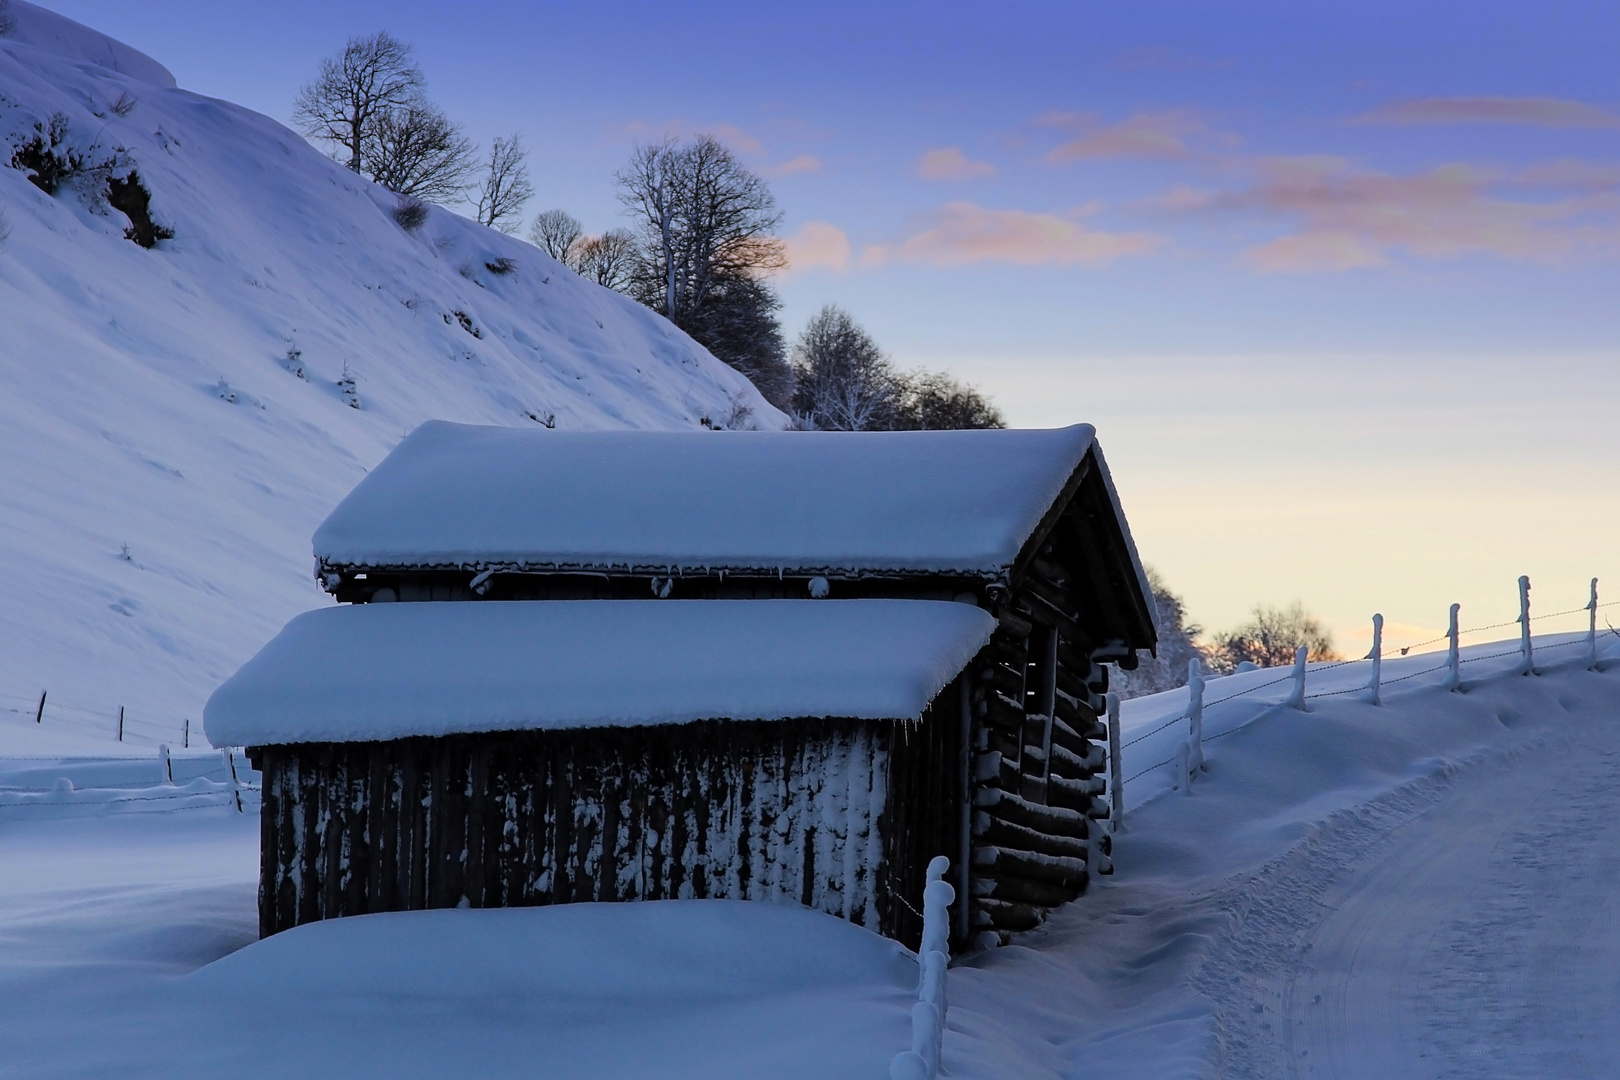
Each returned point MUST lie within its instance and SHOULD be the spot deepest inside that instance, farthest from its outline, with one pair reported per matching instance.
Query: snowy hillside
(190, 400)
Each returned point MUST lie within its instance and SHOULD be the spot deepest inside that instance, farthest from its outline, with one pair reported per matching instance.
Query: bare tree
(933, 401)
(506, 184)
(1177, 644)
(373, 76)
(416, 150)
(845, 383)
(606, 259)
(555, 232)
(1270, 638)
(704, 218)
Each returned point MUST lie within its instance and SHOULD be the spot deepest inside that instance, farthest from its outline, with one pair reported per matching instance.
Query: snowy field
(1424, 889)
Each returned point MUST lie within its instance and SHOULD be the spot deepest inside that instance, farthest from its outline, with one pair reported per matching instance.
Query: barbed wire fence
(115, 724)
(1188, 757)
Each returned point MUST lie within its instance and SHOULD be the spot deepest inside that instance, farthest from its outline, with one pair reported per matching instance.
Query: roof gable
(946, 502)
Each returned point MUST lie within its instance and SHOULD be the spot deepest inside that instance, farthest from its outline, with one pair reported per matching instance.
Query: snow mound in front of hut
(175, 421)
(675, 988)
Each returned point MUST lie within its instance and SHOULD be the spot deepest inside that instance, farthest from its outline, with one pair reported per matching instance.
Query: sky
(1335, 281)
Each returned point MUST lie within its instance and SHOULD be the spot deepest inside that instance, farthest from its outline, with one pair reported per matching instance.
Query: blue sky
(1244, 238)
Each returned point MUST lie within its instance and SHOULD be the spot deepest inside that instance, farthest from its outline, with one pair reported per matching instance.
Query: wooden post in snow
(1296, 698)
(39, 717)
(1116, 767)
(1529, 667)
(1377, 656)
(1195, 718)
(1454, 676)
(120, 723)
(1591, 629)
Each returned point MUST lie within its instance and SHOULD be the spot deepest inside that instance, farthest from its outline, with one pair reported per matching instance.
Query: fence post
(1454, 679)
(39, 717)
(236, 786)
(1591, 630)
(1377, 656)
(185, 735)
(165, 764)
(1529, 667)
(120, 723)
(1116, 767)
(1183, 769)
(1296, 699)
(921, 1062)
(1195, 718)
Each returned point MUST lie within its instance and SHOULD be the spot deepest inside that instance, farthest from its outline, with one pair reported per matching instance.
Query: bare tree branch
(606, 259)
(555, 232)
(416, 150)
(506, 184)
(374, 75)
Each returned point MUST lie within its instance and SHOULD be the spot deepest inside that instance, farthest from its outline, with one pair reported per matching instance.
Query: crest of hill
(176, 421)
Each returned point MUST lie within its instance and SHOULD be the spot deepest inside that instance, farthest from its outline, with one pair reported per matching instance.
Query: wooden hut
(785, 666)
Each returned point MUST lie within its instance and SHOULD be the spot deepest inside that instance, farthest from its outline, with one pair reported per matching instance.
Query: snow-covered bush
(129, 196)
(347, 389)
(47, 158)
(410, 213)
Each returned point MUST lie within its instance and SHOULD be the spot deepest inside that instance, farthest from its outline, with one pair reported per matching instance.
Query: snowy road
(1482, 937)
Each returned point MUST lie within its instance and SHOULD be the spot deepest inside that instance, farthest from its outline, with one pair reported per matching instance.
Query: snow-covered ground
(172, 422)
(1425, 888)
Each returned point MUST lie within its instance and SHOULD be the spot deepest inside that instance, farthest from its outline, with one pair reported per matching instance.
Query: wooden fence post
(165, 764)
(185, 735)
(39, 717)
(1296, 699)
(1377, 656)
(1116, 767)
(120, 723)
(1454, 678)
(1529, 667)
(1195, 718)
(1591, 629)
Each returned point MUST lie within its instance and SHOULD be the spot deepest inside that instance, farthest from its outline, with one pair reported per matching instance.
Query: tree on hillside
(705, 244)
(933, 401)
(555, 232)
(417, 151)
(1271, 637)
(845, 383)
(505, 187)
(372, 76)
(1177, 644)
(607, 259)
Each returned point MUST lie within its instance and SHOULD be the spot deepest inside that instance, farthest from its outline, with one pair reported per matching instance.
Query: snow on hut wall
(376, 672)
(948, 502)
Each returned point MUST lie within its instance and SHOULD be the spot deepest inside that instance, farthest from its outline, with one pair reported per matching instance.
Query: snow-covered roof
(370, 672)
(791, 502)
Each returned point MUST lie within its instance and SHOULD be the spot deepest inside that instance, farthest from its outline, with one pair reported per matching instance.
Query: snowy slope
(154, 398)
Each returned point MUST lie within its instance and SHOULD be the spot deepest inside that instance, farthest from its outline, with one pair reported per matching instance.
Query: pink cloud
(950, 163)
(1161, 135)
(793, 166)
(1531, 111)
(1349, 217)
(960, 233)
(1570, 173)
(818, 245)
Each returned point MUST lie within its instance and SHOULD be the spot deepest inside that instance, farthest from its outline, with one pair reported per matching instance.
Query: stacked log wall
(1039, 818)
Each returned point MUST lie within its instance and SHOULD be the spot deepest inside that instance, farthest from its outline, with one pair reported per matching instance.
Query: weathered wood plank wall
(838, 815)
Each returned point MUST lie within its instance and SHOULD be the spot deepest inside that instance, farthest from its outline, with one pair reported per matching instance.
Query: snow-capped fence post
(1296, 698)
(1183, 769)
(1591, 629)
(165, 765)
(921, 1062)
(1195, 718)
(1116, 767)
(1453, 662)
(1529, 667)
(1377, 656)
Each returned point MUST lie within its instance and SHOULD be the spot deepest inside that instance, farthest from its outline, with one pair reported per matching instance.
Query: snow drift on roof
(935, 501)
(385, 671)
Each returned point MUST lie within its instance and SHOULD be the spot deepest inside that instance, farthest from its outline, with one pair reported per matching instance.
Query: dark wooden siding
(837, 815)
